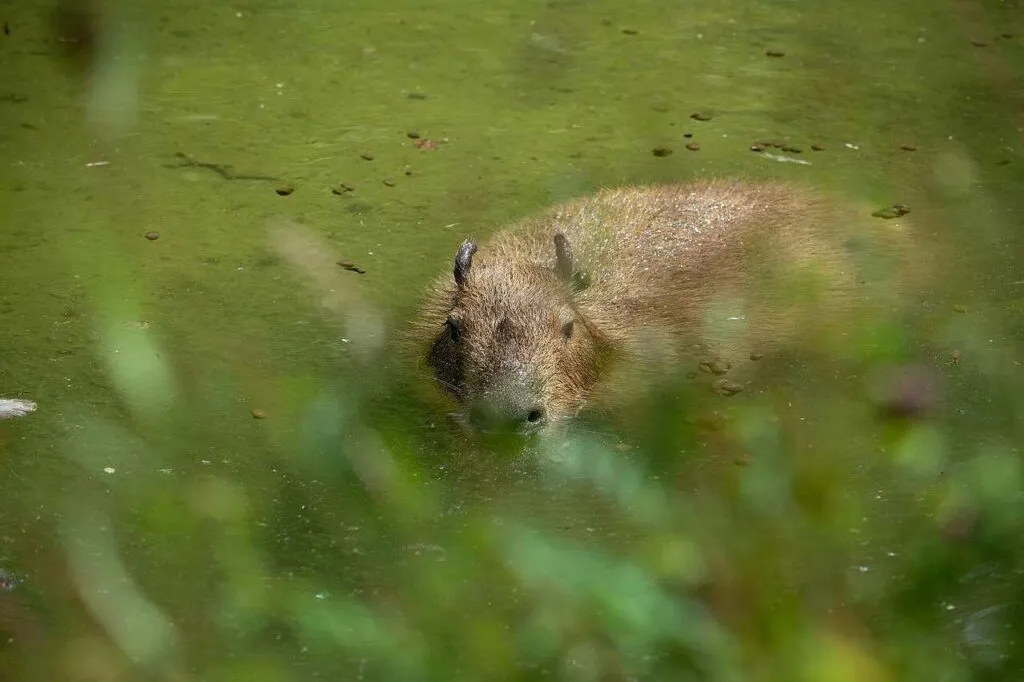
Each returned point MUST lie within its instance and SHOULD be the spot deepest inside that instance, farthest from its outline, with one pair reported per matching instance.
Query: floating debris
(630, 31)
(908, 147)
(416, 95)
(701, 116)
(285, 189)
(775, 53)
(15, 407)
(715, 365)
(894, 211)
(785, 159)
(413, 135)
(727, 388)
(388, 182)
(818, 147)
(152, 235)
(959, 308)
(661, 151)
(352, 267)
(341, 188)
(693, 146)
(366, 156)
(257, 413)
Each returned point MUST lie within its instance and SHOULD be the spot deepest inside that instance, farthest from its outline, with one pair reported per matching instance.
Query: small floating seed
(630, 31)
(416, 95)
(661, 151)
(775, 53)
(257, 413)
(152, 236)
(341, 188)
(908, 147)
(693, 146)
(413, 135)
(285, 190)
(959, 308)
(700, 116)
(389, 182)
(756, 148)
(756, 356)
(687, 135)
(978, 43)
(366, 157)
(818, 147)
(792, 150)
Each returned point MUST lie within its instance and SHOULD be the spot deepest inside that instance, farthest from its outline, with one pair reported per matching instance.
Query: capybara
(528, 328)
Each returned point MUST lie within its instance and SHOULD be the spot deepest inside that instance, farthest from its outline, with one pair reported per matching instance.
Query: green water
(161, 532)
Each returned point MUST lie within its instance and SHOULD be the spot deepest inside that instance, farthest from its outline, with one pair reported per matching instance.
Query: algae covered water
(216, 218)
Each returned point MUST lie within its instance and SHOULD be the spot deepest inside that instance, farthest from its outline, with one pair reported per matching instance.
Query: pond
(218, 217)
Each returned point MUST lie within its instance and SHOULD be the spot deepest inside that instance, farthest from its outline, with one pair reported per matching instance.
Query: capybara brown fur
(530, 327)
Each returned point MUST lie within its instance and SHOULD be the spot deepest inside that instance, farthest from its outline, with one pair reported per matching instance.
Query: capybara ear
(463, 261)
(563, 257)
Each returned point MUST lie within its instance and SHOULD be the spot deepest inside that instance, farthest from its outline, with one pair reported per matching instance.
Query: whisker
(448, 385)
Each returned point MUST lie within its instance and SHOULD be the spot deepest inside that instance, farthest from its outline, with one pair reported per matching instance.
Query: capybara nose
(508, 413)
(536, 416)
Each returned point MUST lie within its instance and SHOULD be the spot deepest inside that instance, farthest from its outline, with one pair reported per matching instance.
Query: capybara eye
(567, 329)
(454, 328)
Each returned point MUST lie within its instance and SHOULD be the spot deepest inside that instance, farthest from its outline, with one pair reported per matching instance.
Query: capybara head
(512, 348)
